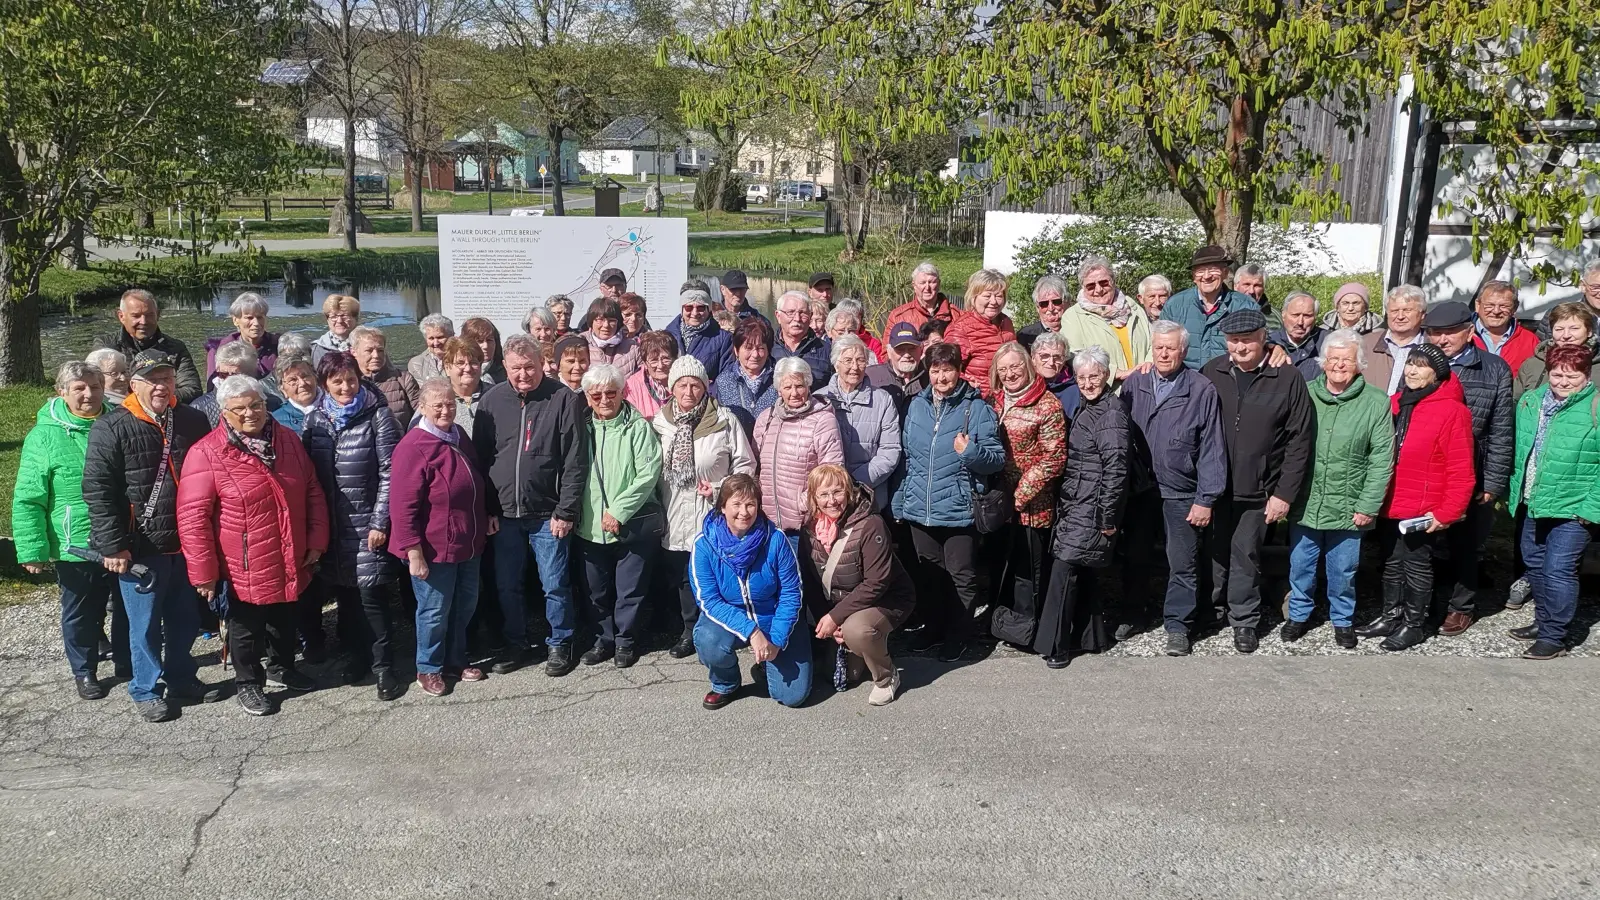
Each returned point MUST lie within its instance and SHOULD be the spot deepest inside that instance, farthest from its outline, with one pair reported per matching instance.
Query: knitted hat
(686, 366)
(1353, 287)
(1434, 357)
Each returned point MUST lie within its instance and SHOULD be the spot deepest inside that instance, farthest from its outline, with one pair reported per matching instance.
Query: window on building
(814, 167)
(758, 167)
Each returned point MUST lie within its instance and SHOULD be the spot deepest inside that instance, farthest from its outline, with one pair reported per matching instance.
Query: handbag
(992, 507)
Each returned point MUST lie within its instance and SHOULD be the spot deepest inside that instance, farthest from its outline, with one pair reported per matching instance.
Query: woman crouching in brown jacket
(854, 583)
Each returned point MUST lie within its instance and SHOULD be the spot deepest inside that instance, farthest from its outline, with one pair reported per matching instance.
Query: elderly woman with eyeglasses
(252, 513)
(850, 312)
(609, 343)
(436, 329)
(647, 389)
(1050, 300)
(560, 307)
(869, 420)
(1049, 357)
(698, 334)
(249, 314)
(795, 435)
(1105, 317)
(297, 380)
(343, 313)
(620, 528)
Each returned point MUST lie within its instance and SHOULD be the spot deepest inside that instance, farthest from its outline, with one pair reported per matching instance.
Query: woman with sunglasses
(697, 333)
(1050, 300)
(1107, 318)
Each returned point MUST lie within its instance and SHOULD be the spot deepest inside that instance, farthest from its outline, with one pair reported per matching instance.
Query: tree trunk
(350, 180)
(77, 255)
(558, 200)
(417, 164)
(20, 355)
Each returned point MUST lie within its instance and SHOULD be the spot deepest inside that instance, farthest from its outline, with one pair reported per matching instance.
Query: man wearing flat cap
(1200, 309)
(734, 286)
(1486, 381)
(820, 287)
(1268, 427)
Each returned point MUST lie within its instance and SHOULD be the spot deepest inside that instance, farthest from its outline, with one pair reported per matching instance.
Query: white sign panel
(499, 268)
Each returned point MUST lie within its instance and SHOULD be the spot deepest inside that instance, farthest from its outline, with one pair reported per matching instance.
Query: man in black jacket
(141, 330)
(1267, 422)
(1486, 381)
(130, 484)
(531, 436)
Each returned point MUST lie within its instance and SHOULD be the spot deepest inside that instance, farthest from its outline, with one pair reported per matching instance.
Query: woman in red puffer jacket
(984, 329)
(1432, 483)
(250, 511)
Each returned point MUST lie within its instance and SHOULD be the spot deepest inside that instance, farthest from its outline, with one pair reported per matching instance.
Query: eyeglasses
(696, 307)
(796, 313)
(257, 406)
(1096, 285)
(604, 395)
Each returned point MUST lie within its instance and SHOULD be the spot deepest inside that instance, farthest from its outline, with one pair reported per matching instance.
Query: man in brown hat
(1200, 309)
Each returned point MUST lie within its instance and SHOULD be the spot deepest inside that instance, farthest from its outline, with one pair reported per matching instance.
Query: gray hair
(1167, 326)
(559, 301)
(1049, 283)
(1152, 281)
(1299, 295)
(294, 343)
(926, 267)
(842, 312)
(437, 321)
(237, 386)
(248, 303)
(240, 356)
(77, 371)
(1406, 292)
(1050, 339)
(846, 342)
(141, 295)
(545, 317)
(1093, 262)
(108, 361)
(367, 332)
(1254, 270)
(435, 385)
(802, 296)
(1092, 355)
(523, 345)
(1344, 337)
(1591, 268)
(602, 375)
(295, 361)
(791, 365)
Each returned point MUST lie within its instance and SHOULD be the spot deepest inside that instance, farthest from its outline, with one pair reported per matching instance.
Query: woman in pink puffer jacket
(795, 436)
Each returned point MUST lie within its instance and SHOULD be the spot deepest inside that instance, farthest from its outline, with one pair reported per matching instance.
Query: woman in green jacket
(1557, 478)
(620, 526)
(48, 515)
(1350, 471)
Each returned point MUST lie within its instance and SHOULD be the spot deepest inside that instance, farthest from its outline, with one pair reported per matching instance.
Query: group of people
(805, 489)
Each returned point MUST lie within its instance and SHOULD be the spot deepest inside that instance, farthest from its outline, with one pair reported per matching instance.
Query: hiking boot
(291, 679)
(254, 700)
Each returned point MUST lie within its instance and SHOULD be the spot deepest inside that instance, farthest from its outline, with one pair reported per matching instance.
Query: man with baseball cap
(820, 287)
(1486, 381)
(902, 373)
(130, 485)
(613, 284)
(734, 286)
(1201, 308)
(1269, 431)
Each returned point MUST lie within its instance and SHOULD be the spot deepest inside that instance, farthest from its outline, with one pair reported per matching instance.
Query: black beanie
(1433, 357)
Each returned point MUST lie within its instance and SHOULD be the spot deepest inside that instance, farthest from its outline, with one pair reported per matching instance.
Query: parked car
(757, 193)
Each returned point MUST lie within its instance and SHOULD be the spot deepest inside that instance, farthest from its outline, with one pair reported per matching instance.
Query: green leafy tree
(115, 106)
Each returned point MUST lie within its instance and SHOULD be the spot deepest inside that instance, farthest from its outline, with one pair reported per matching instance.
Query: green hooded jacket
(624, 464)
(48, 514)
(1566, 481)
(1354, 456)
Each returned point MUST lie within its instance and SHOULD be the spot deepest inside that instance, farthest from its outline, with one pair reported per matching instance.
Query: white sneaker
(883, 696)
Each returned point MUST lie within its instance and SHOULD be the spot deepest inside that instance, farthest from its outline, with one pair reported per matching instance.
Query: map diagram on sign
(625, 253)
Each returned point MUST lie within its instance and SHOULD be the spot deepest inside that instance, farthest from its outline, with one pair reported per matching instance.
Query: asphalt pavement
(1314, 775)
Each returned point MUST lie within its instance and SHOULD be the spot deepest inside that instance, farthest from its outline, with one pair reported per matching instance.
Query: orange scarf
(131, 404)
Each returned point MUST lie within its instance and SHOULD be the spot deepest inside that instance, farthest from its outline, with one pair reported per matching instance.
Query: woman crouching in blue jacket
(747, 583)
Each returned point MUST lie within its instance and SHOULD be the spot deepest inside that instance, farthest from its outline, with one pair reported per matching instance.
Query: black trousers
(1408, 558)
(1027, 576)
(370, 633)
(617, 575)
(308, 614)
(256, 630)
(949, 578)
(673, 581)
(1465, 540)
(1137, 553)
(1072, 620)
(1237, 532)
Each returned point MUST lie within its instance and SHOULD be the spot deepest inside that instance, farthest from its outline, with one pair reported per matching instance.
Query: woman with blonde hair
(984, 328)
(854, 584)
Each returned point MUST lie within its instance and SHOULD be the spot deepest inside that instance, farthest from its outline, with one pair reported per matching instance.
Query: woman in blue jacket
(747, 583)
(950, 443)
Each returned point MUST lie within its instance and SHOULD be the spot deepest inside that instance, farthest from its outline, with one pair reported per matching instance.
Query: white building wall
(329, 132)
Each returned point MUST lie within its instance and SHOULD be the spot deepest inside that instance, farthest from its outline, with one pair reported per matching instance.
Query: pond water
(394, 307)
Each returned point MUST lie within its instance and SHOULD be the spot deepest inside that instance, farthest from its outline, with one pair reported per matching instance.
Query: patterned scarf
(1116, 312)
(340, 415)
(693, 333)
(680, 464)
(259, 447)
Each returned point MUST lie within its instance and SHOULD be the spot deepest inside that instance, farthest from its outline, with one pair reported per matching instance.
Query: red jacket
(1433, 469)
(912, 311)
(1517, 349)
(978, 339)
(241, 521)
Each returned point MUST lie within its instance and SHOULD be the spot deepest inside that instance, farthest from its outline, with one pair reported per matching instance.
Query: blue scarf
(339, 415)
(739, 552)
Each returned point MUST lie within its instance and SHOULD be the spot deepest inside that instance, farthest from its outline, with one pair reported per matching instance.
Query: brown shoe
(1455, 623)
(472, 673)
(431, 683)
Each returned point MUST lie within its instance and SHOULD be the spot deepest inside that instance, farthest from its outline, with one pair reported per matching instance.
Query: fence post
(266, 208)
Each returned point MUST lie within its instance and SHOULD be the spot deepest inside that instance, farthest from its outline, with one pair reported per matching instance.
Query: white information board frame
(500, 267)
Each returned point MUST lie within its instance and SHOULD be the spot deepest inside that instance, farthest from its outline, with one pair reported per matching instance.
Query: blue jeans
(1553, 549)
(85, 589)
(446, 600)
(788, 676)
(162, 626)
(551, 556)
(1340, 552)
(1184, 555)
